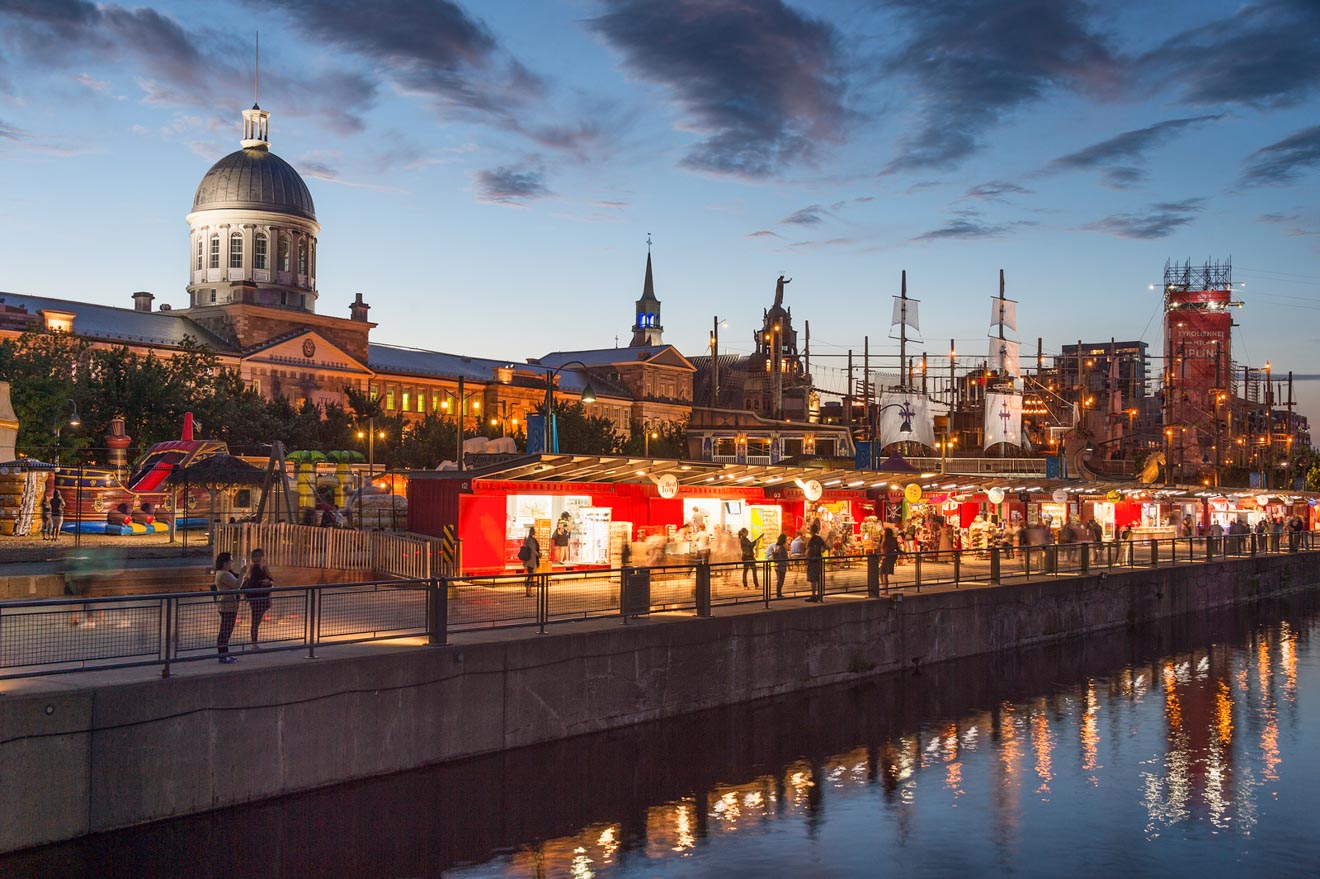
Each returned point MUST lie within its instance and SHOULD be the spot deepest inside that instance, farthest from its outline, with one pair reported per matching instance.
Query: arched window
(215, 252)
(311, 246)
(302, 257)
(284, 253)
(259, 245)
(200, 244)
(236, 250)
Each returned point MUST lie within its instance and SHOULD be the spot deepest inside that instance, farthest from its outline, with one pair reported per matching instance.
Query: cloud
(764, 233)
(91, 83)
(1119, 157)
(175, 66)
(11, 132)
(431, 48)
(828, 242)
(964, 228)
(1285, 160)
(760, 81)
(1160, 220)
(975, 61)
(1265, 54)
(512, 186)
(996, 190)
(811, 215)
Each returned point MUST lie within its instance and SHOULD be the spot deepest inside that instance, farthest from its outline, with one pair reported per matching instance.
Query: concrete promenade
(101, 750)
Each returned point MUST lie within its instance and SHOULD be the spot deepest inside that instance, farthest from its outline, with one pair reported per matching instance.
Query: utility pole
(715, 364)
(848, 397)
(866, 397)
(902, 335)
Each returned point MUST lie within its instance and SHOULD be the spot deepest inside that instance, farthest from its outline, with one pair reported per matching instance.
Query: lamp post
(1269, 427)
(715, 362)
(588, 396)
(647, 436)
(460, 399)
(74, 421)
(370, 436)
(904, 427)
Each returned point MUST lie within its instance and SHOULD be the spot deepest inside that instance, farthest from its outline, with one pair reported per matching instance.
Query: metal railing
(74, 634)
(381, 553)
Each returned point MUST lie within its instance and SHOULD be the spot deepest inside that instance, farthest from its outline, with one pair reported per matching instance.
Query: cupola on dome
(254, 178)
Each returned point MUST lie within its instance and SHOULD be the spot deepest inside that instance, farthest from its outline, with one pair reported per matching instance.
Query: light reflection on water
(1175, 750)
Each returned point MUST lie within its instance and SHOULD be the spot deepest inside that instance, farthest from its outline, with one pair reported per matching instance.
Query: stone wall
(79, 759)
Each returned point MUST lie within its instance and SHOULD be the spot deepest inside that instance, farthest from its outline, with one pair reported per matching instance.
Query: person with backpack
(530, 556)
(747, 547)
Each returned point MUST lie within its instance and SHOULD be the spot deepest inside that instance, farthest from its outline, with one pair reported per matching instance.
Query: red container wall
(481, 522)
(432, 504)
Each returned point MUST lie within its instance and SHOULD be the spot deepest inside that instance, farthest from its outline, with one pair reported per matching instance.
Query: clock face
(309, 348)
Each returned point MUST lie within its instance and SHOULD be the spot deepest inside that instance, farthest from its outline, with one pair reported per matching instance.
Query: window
(407, 399)
(215, 252)
(389, 399)
(259, 251)
(435, 401)
(236, 250)
(373, 391)
(212, 297)
(302, 258)
(284, 254)
(199, 254)
(726, 446)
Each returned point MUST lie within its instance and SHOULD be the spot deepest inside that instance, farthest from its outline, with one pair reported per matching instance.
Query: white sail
(905, 312)
(910, 409)
(1003, 312)
(1003, 419)
(1004, 356)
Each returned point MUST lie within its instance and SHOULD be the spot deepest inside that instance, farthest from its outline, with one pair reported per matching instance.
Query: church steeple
(647, 329)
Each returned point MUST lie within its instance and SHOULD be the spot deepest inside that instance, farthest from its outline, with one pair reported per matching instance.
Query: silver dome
(254, 179)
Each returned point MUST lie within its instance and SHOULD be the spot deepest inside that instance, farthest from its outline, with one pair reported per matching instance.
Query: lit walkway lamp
(74, 421)
(588, 396)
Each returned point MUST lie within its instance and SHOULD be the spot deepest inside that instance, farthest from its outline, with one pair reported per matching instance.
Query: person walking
(56, 514)
(889, 550)
(45, 518)
(530, 556)
(256, 589)
(225, 586)
(779, 553)
(703, 545)
(816, 564)
(747, 548)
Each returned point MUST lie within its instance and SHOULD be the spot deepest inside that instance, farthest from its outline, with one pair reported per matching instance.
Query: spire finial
(256, 78)
(648, 243)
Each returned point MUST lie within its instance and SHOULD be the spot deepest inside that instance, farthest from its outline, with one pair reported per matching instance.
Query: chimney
(357, 309)
(142, 301)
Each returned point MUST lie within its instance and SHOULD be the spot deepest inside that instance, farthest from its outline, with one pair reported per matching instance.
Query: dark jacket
(258, 583)
(748, 547)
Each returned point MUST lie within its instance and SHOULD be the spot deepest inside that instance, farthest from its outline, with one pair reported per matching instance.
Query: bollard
(1026, 560)
(994, 566)
(1086, 559)
(437, 614)
(1209, 548)
(1052, 558)
(916, 558)
(1253, 543)
(703, 590)
(873, 576)
(957, 568)
(1155, 553)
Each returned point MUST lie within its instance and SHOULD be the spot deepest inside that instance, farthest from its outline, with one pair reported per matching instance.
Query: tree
(38, 367)
(583, 434)
(669, 440)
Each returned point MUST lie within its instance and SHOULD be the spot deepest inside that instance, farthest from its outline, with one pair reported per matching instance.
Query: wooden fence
(380, 553)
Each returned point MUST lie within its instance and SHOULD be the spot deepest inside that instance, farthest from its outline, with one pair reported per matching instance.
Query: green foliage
(583, 434)
(669, 440)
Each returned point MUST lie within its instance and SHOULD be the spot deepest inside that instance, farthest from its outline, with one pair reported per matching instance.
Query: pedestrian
(559, 541)
(779, 552)
(747, 549)
(889, 550)
(1097, 533)
(56, 514)
(1295, 527)
(45, 518)
(703, 544)
(256, 589)
(530, 556)
(1276, 534)
(816, 563)
(225, 586)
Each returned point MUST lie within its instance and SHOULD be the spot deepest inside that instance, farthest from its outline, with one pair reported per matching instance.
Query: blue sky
(486, 174)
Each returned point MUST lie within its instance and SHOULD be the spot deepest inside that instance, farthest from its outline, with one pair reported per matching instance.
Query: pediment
(670, 357)
(307, 349)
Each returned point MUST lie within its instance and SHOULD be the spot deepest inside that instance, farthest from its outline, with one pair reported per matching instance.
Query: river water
(1186, 748)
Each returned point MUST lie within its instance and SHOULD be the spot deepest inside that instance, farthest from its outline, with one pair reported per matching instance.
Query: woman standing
(780, 555)
(816, 563)
(257, 591)
(56, 514)
(747, 549)
(530, 556)
(889, 550)
(225, 587)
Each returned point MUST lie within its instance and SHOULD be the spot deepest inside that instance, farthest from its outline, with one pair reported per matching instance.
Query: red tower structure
(1198, 357)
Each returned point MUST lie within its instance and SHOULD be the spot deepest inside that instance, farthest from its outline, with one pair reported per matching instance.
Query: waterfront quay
(102, 749)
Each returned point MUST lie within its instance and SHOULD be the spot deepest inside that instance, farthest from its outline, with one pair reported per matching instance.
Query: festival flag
(905, 417)
(1003, 419)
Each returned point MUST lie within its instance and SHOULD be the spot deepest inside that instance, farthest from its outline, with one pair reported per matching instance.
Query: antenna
(256, 85)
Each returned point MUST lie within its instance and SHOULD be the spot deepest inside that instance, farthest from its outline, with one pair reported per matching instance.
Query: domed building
(253, 228)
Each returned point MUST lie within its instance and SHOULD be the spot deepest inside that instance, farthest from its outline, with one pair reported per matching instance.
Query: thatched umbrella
(215, 473)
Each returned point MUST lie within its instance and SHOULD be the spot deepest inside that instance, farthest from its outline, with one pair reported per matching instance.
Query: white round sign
(996, 495)
(1263, 500)
(667, 485)
(812, 490)
(1060, 496)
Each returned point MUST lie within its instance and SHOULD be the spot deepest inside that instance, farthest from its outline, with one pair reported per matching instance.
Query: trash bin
(635, 596)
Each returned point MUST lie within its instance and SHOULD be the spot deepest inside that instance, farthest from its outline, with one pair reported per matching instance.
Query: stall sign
(667, 485)
(1060, 496)
(912, 492)
(996, 495)
(1114, 496)
(811, 489)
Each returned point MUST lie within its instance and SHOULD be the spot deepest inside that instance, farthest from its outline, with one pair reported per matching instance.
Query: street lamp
(459, 399)
(647, 436)
(370, 436)
(715, 361)
(588, 396)
(74, 421)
